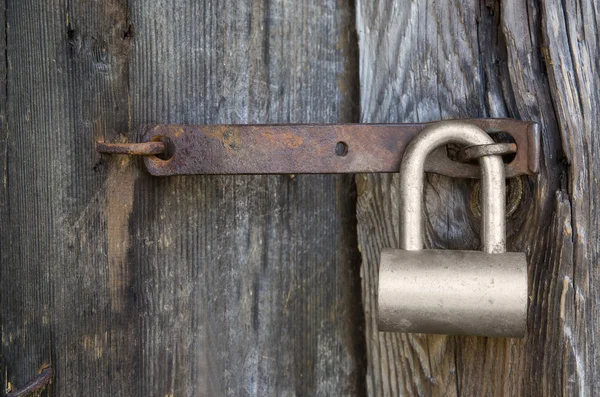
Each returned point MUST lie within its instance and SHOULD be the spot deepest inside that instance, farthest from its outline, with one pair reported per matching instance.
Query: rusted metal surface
(319, 149)
(35, 386)
(141, 149)
(471, 153)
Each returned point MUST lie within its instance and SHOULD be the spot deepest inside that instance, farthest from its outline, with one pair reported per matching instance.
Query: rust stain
(228, 135)
(178, 131)
(120, 187)
(282, 139)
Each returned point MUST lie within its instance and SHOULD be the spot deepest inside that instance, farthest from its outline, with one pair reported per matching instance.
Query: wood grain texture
(246, 285)
(4, 213)
(530, 60)
(130, 285)
(66, 87)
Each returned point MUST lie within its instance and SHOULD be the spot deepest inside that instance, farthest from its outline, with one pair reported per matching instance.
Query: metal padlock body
(457, 292)
(446, 291)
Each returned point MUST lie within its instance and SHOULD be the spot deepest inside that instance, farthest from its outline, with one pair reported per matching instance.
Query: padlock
(446, 291)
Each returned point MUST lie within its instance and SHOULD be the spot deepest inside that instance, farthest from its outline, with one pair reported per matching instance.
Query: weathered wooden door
(131, 285)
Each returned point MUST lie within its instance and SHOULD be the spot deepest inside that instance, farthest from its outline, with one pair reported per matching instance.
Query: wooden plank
(4, 213)
(571, 51)
(245, 285)
(421, 62)
(242, 281)
(67, 84)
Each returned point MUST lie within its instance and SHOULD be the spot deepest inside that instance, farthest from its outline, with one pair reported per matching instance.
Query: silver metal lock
(452, 292)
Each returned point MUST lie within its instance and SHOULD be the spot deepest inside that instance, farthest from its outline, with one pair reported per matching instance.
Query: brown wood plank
(245, 285)
(427, 61)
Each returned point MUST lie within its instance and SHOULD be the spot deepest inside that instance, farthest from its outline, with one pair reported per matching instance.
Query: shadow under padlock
(444, 291)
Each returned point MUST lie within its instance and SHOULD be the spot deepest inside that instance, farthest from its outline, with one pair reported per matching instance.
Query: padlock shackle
(493, 222)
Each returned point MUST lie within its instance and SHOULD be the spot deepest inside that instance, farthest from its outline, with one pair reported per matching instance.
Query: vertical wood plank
(529, 60)
(67, 87)
(570, 49)
(246, 285)
(4, 213)
(24, 341)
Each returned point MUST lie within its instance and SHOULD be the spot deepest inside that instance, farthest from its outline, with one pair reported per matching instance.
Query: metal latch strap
(317, 149)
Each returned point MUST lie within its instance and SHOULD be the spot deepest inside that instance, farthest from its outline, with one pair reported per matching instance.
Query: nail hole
(341, 149)
(170, 152)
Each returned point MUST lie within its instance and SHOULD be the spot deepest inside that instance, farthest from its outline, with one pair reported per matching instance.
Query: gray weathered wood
(67, 87)
(252, 296)
(423, 61)
(129, 285)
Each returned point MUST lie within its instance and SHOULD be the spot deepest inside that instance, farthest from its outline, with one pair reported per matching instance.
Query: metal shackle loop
(493, 223)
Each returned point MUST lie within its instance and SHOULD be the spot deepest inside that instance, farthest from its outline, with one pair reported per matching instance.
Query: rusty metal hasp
(318, 149)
